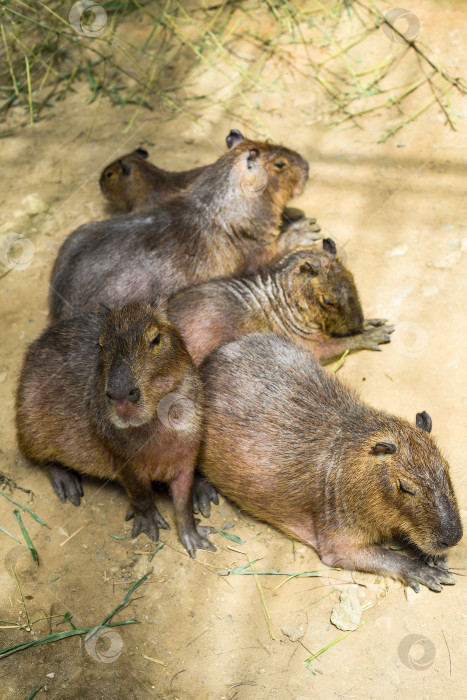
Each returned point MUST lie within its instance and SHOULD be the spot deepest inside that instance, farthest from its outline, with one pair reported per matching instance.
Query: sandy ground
(400, 210)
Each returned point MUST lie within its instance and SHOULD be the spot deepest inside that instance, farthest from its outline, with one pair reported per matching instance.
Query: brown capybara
(308, 296)
(134, 184)
(293, 446)
(115, 395)
(228, 221)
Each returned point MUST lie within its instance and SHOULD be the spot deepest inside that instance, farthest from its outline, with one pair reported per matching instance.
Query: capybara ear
(141, 152)
(423, 421)
(310, 268)
(126, 167)
(160, 304)
(384, 448)
(253, 155)
(233, 137)
(329, 246)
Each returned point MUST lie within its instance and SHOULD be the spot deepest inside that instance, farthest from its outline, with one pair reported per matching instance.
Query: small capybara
(134, 184)
(115, 395)
(228, 221)
(309, 297)
(293, 446)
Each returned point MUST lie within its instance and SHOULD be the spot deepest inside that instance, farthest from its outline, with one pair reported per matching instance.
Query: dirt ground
(399, 210)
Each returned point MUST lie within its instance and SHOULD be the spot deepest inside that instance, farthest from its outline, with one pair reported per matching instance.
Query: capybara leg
(146, 517)
(66, 483)
(377, 560)
(375, 333)
(203, 493)
(192, 537)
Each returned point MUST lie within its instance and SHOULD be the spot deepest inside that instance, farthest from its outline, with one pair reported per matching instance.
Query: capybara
(228, 221)
(115, 395)
(309, 297)
(293, 446)
(135, 184)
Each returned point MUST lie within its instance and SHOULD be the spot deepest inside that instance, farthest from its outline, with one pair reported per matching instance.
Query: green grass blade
(10, 535)
(28, 510)
(31, 547)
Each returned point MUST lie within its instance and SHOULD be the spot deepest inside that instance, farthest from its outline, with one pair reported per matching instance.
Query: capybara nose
(122, 393)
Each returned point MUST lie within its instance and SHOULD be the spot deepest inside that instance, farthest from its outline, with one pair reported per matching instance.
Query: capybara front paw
(66, 484)
(436, 560)
(203, 493)
(431, 576)
(376, 332)
(197, 538)
(148, 521)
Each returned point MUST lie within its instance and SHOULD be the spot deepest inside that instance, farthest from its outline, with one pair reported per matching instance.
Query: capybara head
(263, 168)
(324, 288)
(142, 357)
(129, 179)
(415, 496)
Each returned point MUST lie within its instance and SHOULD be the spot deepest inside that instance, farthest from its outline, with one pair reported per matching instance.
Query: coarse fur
(308, 296)
(294, 447)
(134, 184)
(99, 394)
(228, 221)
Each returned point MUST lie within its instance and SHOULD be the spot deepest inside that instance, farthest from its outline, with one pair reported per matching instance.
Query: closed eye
(325, 301)
(156, 340)
(404, 489)
(279, 165)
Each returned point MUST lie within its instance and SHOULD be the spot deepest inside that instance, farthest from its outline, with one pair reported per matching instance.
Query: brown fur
(294, 447)
(309, 297)
(227, 222)
(134, 184)
(92, 397)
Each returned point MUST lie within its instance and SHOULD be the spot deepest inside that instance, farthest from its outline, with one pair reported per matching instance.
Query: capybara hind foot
(196, 537)
(148, 521)
(203, 493)
(66, 484)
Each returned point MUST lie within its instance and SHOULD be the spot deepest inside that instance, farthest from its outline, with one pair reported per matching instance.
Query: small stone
(34, 205)
(228, 525)
(292, 633)
(347, 613)
(50, 675)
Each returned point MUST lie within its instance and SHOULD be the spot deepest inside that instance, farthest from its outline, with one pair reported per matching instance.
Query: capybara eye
(279, 165)
(325, 302)
(156, 340)
(404, 489)
(109, 174)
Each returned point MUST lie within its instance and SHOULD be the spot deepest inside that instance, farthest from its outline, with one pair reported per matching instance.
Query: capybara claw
(148, 521)
(66, 484)
(203, 494)
(197, 539)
